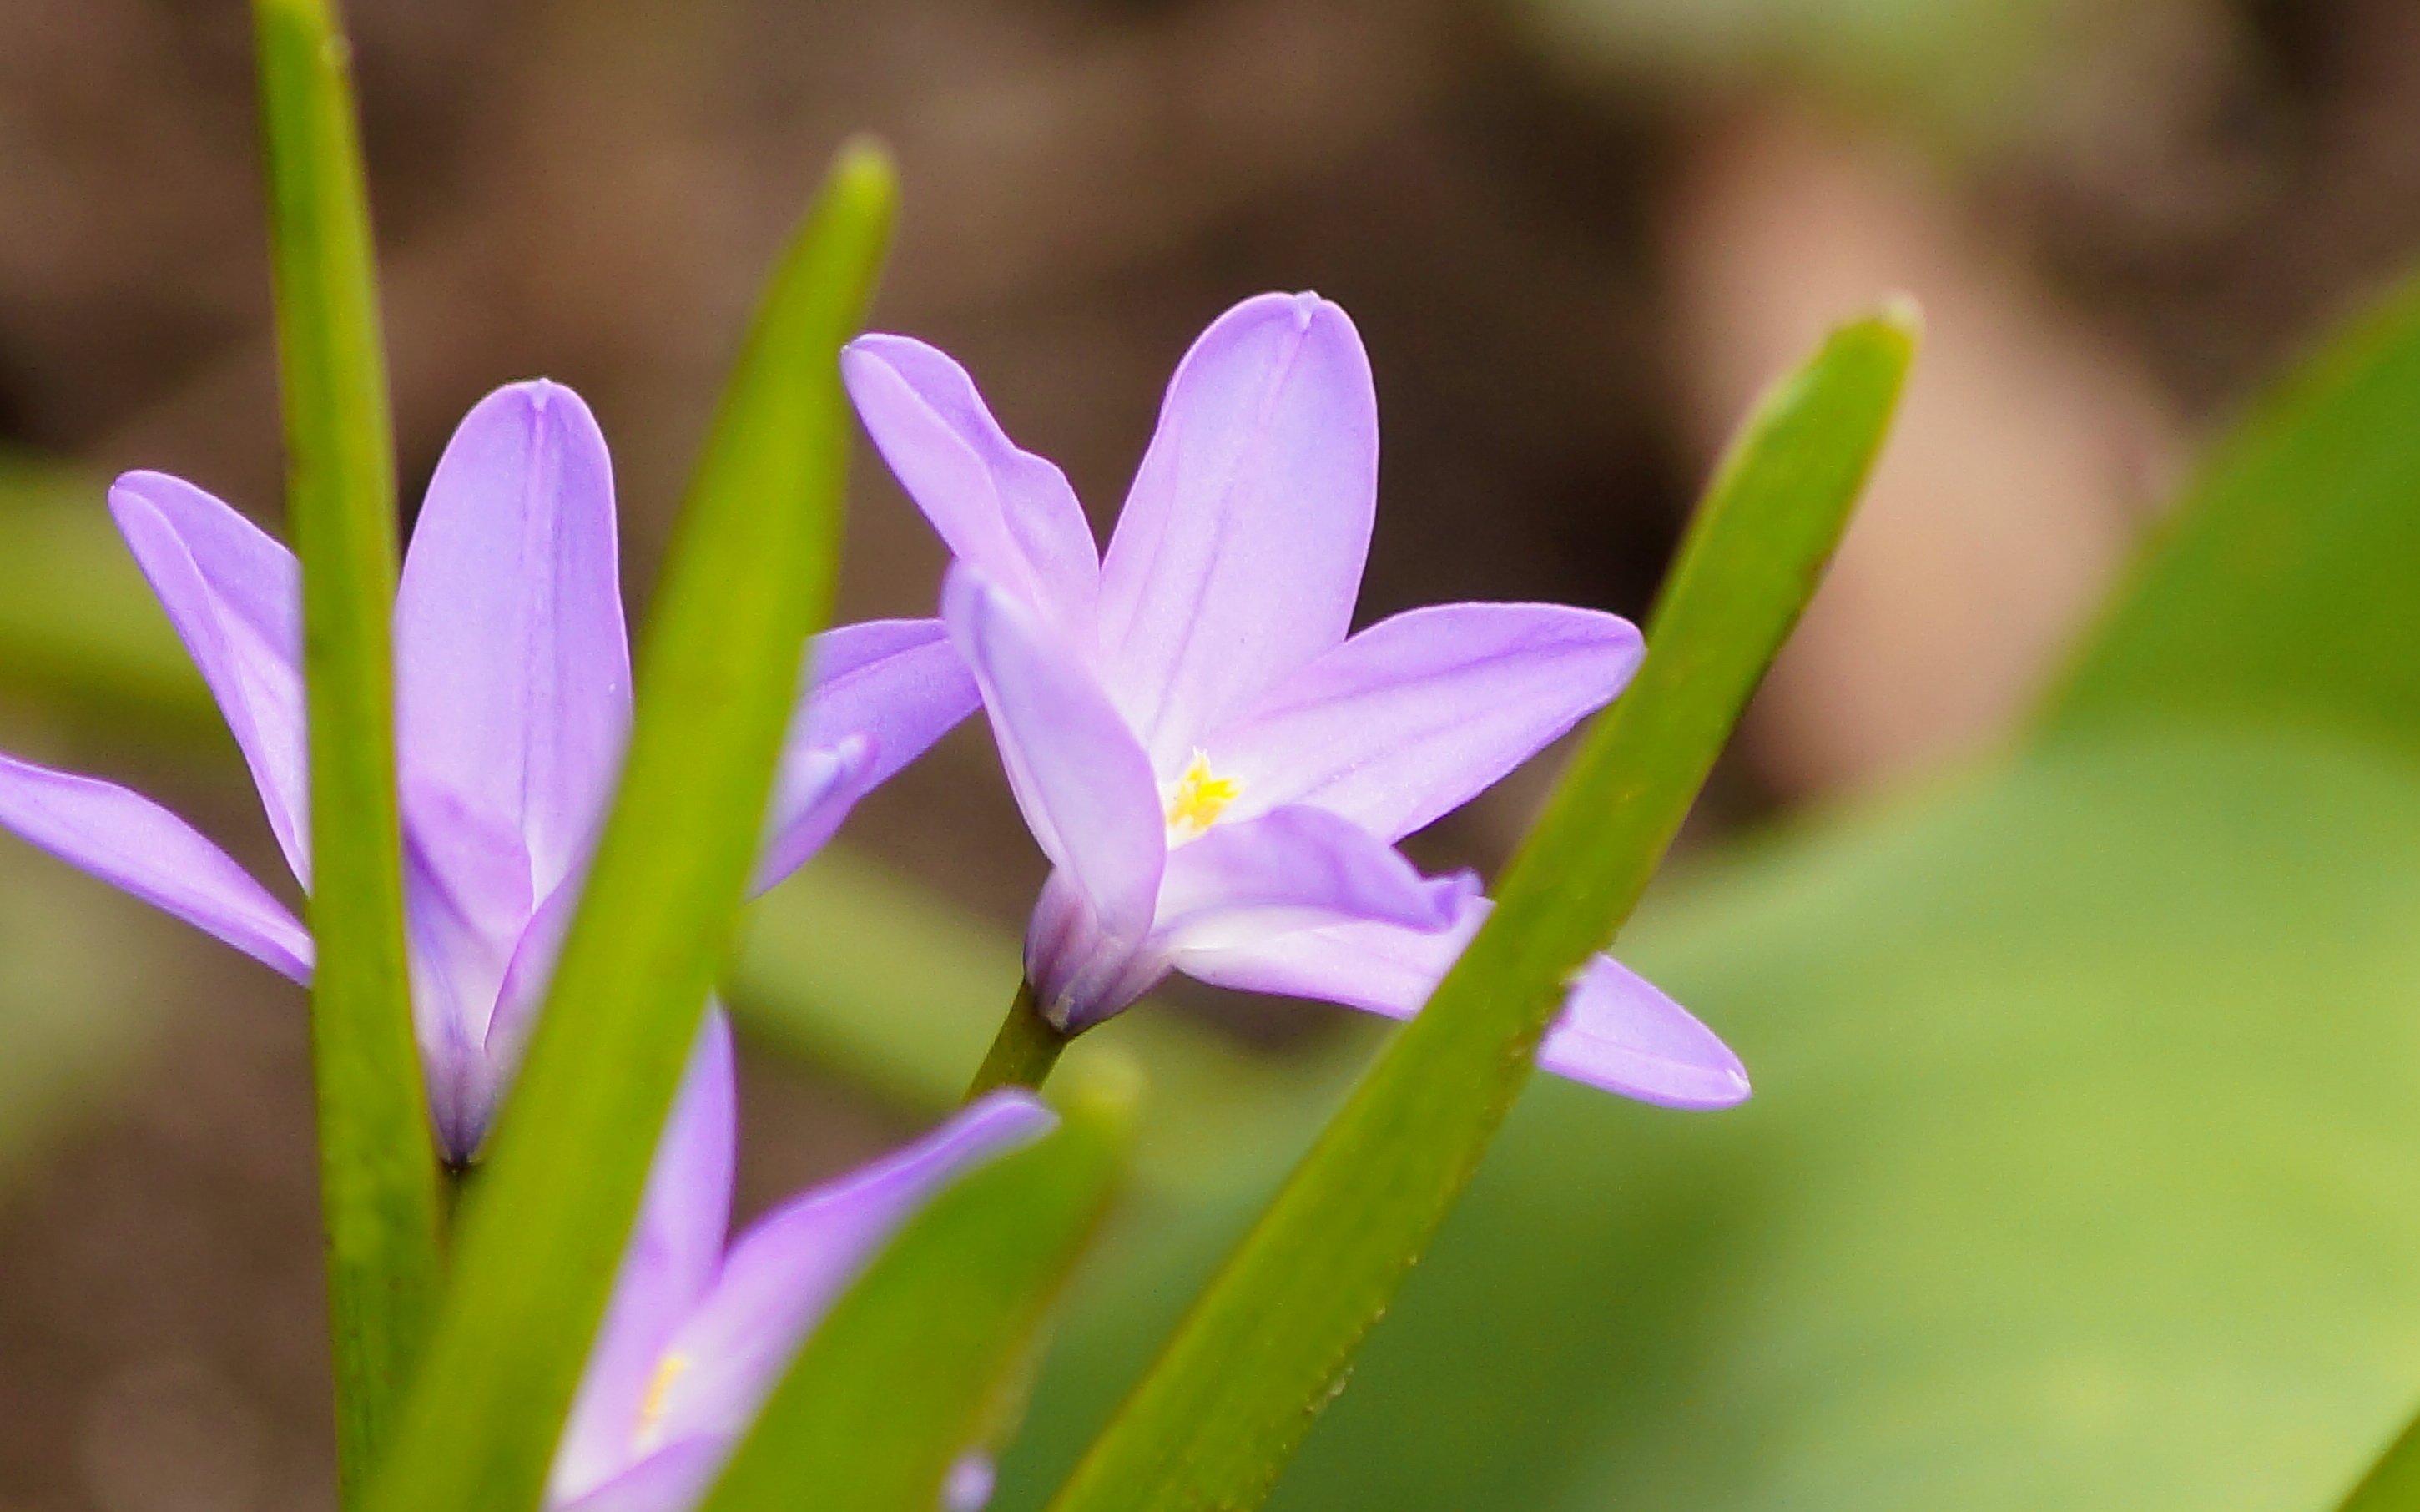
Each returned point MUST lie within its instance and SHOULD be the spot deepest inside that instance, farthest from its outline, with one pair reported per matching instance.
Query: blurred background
(1577, 235)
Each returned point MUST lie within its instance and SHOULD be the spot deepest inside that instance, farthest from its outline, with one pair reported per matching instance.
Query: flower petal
(1239, 552)
(1082, 974)
(1083, 784)
(673, 1480)
(972, 1481)
(132, 843)
(512, 662)
(885, 691)
(816, 787)
(1005, 512)
(1417, 715)
(1293, 870)
(675, 1253)
(1617, 1032)
(793, 1263)
(459, 966)
(1620, 1033)
(235, 597)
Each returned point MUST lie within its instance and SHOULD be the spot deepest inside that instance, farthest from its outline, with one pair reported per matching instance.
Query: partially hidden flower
(513, 703)
(1217, 771)
(696, 1337)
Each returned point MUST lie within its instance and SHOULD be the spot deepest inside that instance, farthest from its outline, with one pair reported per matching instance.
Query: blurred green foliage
(79, 637)
(1957, 71)
(83, 653)
(78, 998)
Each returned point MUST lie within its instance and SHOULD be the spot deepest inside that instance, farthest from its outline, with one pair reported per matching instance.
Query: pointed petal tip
(162, 496)
(1621, 1034)
(1301, 308)
(539, 398)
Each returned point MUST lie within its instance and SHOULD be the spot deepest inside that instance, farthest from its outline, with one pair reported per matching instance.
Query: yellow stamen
(1199, 799)
(651, 1407)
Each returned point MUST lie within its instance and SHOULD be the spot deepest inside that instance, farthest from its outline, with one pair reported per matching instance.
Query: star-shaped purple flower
(513, 702)
(1217, 772)
(696, 1337)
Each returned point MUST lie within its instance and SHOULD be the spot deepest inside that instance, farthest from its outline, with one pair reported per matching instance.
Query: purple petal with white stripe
(1618, 1032)
(674, 1255)
(1084, 785)
(235, 597)
(512, 662)
(882, 692)
(1415, 716)
(793, 1263)
(1005, 512)
(1296, 869)
(1238, 555)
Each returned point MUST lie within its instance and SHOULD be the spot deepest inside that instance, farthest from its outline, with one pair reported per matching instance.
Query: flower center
(1197, 799)
(651, 1407)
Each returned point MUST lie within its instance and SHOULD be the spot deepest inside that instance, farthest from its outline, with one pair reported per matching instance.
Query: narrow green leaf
(376, 1163)
(927, 1353)
(749, 575)
(2392, 1485)
(1266, 1347)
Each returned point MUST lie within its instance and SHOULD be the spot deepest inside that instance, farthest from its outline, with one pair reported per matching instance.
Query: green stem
(1024, 1052)
(454, 1191)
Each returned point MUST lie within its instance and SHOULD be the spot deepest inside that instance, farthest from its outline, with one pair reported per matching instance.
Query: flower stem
(1027, 1047)
(453, 1191)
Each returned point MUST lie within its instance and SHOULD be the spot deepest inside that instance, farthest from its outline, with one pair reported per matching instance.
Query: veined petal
(528, 972)
(816, 787)
(1005, 512)
(512, 662)
(132, 843)
(675, 1256)
(790, 1266)
(1239, 552)
(235, 597)
(1617, 1032)
(1084, 784)
(1417, 715)
(1082, 974)
(1620, 1033)
(1296, 869)
(881, 693)
(461, 964)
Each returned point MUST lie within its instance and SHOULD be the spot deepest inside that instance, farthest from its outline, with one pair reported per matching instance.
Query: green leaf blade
(1268, 1344)
(909, 1369)
(748, 577)
(378, 1164)
(2281, 592)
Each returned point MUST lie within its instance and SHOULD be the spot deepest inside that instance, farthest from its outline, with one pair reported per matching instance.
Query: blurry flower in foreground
(513, 701)
(1218, 773)
(695, 1337)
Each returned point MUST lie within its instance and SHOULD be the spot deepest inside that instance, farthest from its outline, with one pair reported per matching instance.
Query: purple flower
(1218, 773)
(696, 1337)
(513, 701)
